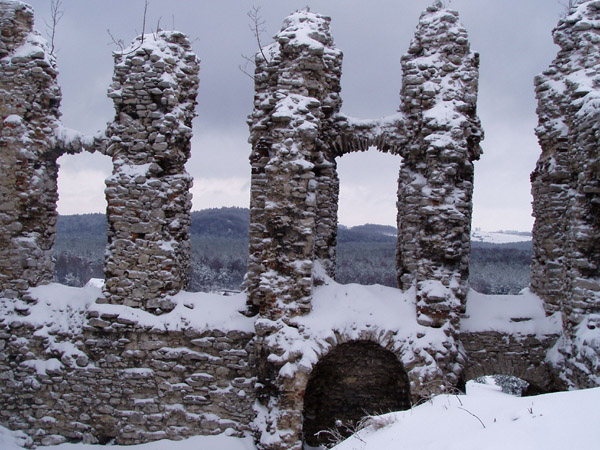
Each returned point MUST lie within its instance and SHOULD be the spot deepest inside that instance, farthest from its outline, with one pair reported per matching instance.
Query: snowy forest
(365, 254)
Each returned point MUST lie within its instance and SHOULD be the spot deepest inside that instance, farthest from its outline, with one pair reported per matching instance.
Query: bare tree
(56, 14)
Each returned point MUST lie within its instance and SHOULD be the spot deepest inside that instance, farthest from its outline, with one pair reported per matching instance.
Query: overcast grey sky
(512, 36)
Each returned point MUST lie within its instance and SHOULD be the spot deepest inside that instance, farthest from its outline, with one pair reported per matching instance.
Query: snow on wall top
(305, 29)
(62, 310)
(441, 41)
(521, 314)
(578, 37)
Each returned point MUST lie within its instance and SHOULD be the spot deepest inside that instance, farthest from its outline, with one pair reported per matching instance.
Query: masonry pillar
(566, 191)
(439, 100)
(154, 90)
(293, 209)
(29, 102)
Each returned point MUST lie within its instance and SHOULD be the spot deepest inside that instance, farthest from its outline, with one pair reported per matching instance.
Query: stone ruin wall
(566, 191)
(193, 380)
(126, 381)
(113, 377)
(296, 134)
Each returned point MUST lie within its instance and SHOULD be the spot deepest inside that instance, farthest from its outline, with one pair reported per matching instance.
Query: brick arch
(352, 380)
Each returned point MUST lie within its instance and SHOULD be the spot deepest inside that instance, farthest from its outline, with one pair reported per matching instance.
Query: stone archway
(355, 379)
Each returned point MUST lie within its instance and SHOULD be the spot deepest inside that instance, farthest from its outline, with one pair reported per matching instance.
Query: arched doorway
(354, 380)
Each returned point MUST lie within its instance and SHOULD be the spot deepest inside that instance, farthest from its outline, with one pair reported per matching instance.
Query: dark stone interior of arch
(354, 380)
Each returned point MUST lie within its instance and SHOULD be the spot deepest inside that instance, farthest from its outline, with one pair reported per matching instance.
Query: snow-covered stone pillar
(29, 102)
(154, 90)
(438, 99)
(294, 182)
(566, 190)
(293, 209)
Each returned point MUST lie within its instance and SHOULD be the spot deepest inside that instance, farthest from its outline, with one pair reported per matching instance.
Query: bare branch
(244, 67)
(257, 28)
(474, 415)
(120, 43)
(144, 22)
(117, 42)
(568, 6)
(56, 14)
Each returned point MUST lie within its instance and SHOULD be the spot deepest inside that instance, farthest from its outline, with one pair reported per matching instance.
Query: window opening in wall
(352, 381)
(367, 213)
(81, 227)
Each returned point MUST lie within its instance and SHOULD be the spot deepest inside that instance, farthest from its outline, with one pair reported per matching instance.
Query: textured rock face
(293, 215)
(566, 191)
(435, 185)
(32, 139)
(29, 101)
(154, 89)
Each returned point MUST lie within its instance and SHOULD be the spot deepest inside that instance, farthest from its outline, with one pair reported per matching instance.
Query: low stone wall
(123, 381)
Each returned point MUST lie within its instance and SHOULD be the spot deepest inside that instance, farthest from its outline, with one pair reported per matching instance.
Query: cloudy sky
(512, 36)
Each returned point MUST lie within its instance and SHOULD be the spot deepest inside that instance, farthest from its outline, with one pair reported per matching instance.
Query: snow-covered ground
(487, 419)
(10, 440)
(499, 237)
(483, 419)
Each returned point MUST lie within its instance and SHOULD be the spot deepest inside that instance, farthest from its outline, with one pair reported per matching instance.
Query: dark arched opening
(354, 380)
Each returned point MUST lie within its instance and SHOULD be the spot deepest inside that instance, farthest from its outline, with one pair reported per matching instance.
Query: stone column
(29, 102)
(566, 190)
(293, 208)
(439, 98)
(154, 90)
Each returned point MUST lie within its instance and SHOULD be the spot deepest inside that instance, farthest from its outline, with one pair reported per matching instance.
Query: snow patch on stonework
(521, 314)
(193, 310)
(63, 310)
(346, 313)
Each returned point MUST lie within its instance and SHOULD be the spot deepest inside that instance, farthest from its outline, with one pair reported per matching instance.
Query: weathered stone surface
(154, 90)
(29, 103)
(32, 138)
(439, 101)
(566, 191)
(128, 384)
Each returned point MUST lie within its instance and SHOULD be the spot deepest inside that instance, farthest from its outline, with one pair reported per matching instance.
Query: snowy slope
(499, 237)
(487, 419)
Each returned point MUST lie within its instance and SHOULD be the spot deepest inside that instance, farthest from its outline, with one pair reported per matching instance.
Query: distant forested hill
(366, 253)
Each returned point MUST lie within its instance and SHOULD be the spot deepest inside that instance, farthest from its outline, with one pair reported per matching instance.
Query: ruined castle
(139, 359)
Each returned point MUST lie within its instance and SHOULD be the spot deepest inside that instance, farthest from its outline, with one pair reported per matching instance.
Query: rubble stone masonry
(566, 193)
(154, 90)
